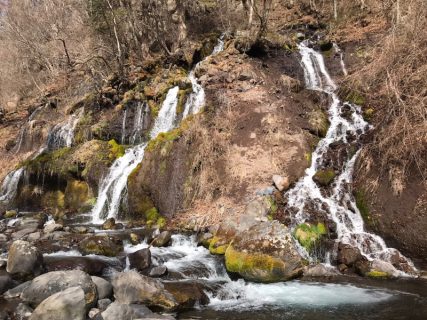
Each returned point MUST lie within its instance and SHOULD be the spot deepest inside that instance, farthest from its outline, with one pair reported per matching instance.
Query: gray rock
(257, 208)
(156, 316)
(3, 238)
(69, 304)
(24, 259)
(320, 270)
(93, 313)
(103, 304)
(5, 283)
(34, 236)
(348, 254)
(158, 271)
(23, 311)
(117, 311)
(52, 227)
(265, 192)
(22, 234)
(281, 183)
(386, 267)
(52, 282)
(140, 260)
(132, 287)
(17, 291)
(104, 288)
(162, 239)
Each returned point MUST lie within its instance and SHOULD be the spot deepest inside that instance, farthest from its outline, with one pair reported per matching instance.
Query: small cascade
(338, 204)
(27, 129)
(123, 138)
(10, 184)
(114, 184)
(339, 51)
(62, 134)
(196, 99)
(138, 125)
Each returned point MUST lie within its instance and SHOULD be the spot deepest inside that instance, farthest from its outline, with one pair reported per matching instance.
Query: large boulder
(132, 287)
(90, 265)
(116, 311)
(69, 304)
(104, 288)
(348, 255)
(162, 239)
(264, 253)
(52, 282)
(140, 260)
(101, 245)
(24, 259)
(187, 294)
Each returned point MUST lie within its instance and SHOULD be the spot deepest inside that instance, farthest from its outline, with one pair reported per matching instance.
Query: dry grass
(396, 84)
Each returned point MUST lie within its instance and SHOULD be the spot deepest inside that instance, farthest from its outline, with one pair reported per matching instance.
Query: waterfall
(339, 204)
(27, 127)
(114, 184)
(123, 138)
(196, 99)
(62, 134)
(339, 51)
(138, 124)
(10, 184)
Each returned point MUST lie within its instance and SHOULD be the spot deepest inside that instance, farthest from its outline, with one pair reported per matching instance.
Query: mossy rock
(100, 245)
(355, 98)
(10, 214)
(257, 267)
(218, 246)
(116, 150)
(362, 205)
(324, 177)
(319, 122)
(310, 235)
(153, 217)
(377, 274)
(54, 201)
(368, 114)
(77, 193)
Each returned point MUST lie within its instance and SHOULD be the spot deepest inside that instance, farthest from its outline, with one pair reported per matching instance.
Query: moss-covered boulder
(319, 122)
(324, 177)
(77, 194)
(101, 245)
(310, 235)
(264, 253)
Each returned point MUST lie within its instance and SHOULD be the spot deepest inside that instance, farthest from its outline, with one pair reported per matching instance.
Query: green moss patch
(309, 235)
(324, 177)
(116, 150)
(217, 246)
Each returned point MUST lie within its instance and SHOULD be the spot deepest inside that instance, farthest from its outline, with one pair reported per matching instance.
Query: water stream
(346, 125)
(62, 134)
(10, 184)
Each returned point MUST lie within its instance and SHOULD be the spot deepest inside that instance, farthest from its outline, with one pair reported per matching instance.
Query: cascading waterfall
(27, 127)
(338, 204)
(339, 51)
(62, 134)
(114, 184)
(138, 124)
(123, 138)
(10, 184)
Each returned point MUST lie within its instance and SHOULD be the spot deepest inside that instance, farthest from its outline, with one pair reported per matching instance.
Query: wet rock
(64, 305)
(24, 260)
(121, 311)
(52, 227)
(382, 269)
(23, 311)
(52, 282)
(320, 270)
(22, 234)
(109, 224)
(34, 236)
(93, 313)
(101, 245)
(80, 230)
(162, 239)
(300, 36)
(362, 266)
(187, 294)
(324, 177)
(281, 183)
(132, 287)
(103, 304)
(89, 265)
(3, 238)
(203, 239)
(5, 283)
(134, 238)
(159, 271)
(140, 260)
(264, 253)
(104, 288)
(348, 255)
(17, 291)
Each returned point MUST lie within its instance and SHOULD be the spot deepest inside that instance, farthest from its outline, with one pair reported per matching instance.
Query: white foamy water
(339, 51)
(340, 202)
(10, 184)
(123, 138)
(138, 124)
(113, 186)
(62, 134)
